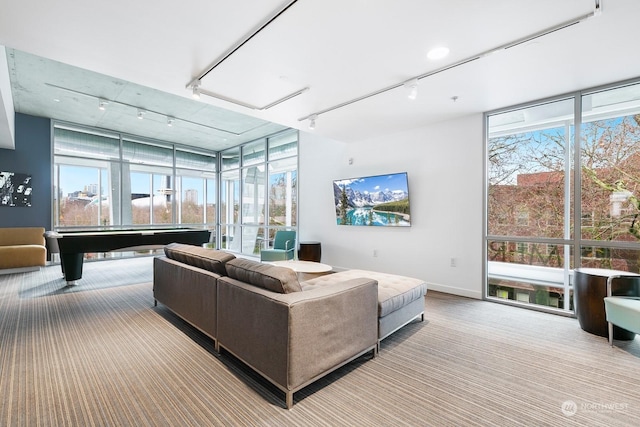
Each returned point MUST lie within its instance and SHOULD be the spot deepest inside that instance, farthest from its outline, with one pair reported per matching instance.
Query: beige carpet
(100, 354)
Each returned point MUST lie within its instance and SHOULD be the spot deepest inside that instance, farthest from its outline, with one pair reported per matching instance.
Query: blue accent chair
(622, 311)
(284, 246)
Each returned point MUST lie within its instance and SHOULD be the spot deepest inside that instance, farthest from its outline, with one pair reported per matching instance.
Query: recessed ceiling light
(56, 100)
(438, 52)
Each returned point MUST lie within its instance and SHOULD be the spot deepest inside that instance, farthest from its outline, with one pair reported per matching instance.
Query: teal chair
(622, 311)
(284, 246)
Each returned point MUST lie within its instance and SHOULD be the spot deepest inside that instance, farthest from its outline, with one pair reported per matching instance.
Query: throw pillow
(276, 279)
(207, 259)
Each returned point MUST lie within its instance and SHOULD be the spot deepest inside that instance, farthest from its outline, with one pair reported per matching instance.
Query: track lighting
(196, 90)
(312, 121)
(412, 87)
(483, 54)
(141, 112)
(102, 104)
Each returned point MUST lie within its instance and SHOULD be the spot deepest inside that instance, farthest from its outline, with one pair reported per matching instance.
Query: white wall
(444, 163)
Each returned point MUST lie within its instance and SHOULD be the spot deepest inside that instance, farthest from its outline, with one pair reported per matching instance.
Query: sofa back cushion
(276, 279)
(207, 259)
(22, 236)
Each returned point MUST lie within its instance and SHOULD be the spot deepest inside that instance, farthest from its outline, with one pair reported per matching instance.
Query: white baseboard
(454, 290)
(18, 270)
(437, 287)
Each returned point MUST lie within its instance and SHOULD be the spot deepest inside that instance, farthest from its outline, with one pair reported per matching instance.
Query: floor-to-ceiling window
(147, 193)
(529, 162)
(610, 179)
(545, 216)
(196, 183)
(258, 182)
(230, 199)
(86, 177)
(105, 180)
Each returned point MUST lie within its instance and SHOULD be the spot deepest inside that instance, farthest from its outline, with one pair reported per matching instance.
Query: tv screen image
(379, 200)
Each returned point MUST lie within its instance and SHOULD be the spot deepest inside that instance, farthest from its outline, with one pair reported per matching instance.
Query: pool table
(73, 245)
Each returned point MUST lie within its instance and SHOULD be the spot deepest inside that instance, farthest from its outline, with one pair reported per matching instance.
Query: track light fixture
(312, 121)
(102, 104)
(501, 48)
(142, 112)
(196, 90)
(170, 121)
(412, 88)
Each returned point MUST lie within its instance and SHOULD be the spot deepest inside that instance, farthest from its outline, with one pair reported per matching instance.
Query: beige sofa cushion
(394, 292)
(207, 259)
(21, 236)
(22, 247)
(19, 256)
(275, 279)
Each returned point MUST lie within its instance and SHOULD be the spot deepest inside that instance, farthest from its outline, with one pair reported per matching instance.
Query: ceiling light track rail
(251, 106)
(142, 111)
(388, 88)
(275, 15)
(286, 98)
(596, 12)
(196, 85)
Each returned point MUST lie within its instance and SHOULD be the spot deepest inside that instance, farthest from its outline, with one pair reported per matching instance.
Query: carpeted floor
(100, 354)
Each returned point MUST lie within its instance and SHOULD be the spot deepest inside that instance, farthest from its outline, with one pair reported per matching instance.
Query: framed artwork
(15, 189)
(380, 200)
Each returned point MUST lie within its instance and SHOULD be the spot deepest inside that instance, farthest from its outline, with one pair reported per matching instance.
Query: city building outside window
(531, 156)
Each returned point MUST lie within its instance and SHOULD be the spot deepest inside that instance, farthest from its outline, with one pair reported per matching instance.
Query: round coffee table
(305, 269)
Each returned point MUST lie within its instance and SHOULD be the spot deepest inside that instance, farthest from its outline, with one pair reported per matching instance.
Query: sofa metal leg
(376, 349)
(289, 399)
(155, 302)
(610, 327)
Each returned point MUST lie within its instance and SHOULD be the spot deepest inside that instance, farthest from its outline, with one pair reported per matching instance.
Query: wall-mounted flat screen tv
(380, 200)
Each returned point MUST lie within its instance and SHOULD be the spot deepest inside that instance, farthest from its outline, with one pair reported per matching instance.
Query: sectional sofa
(291, 333)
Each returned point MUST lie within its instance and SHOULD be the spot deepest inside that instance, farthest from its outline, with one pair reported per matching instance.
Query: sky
(75, 178)
(372, 184)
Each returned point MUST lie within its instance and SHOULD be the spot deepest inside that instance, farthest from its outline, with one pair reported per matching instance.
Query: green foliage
(400, 206)
(343, 206)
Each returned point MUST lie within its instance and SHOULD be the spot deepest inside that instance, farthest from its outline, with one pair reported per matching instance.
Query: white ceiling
(145, 54)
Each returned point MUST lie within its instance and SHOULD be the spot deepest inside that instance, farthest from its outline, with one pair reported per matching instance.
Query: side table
(310, 251)
(589, 290)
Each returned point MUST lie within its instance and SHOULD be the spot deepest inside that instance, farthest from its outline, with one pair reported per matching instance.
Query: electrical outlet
(454, 262)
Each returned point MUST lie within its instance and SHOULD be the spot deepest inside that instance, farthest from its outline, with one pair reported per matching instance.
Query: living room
(443, 157)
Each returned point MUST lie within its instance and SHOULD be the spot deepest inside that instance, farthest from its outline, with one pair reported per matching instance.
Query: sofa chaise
(400, 298)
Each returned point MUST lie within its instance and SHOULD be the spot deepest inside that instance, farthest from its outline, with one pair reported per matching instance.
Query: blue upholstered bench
(622, 311)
